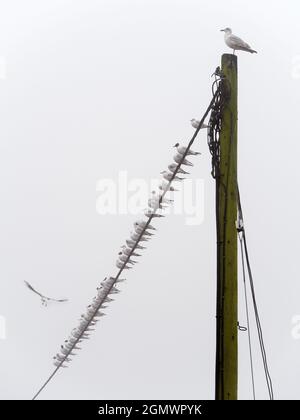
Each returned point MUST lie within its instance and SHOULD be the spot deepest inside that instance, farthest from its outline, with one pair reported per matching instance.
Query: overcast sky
(92, 88)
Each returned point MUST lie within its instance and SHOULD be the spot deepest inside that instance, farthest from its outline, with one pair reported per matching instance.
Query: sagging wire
(244, 250)
(240, 229)
(140, 234)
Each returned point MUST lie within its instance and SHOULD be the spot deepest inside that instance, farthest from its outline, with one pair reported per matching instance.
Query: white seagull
(173, 166)
(139, 230)
(136, 236)
(178, 159)
(156, 197)
(182, 150)
(164, 186)
(131, 243)
(121, 265)
(142, 224)
(124, 258)
(236, 43)
(168, 176)
(195, 124)
(128, 251)
(154, 204)
(150, 213)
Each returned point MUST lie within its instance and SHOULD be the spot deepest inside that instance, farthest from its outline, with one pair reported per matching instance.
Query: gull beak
(222, 30)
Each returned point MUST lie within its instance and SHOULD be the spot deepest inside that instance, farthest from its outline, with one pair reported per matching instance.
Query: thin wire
(212, 102)
(247, 315)
(259, 328)
(257, 317)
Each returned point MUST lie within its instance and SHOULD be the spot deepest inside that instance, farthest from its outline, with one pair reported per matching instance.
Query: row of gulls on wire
(87, 321)
(142, 230)
(130, 251)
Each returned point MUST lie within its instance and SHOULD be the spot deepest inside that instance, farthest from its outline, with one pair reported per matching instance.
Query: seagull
(136, 236)
(59, 364)
(150, 213)
(236, 43)
(173, 167)
(158, 198)
(178, 159)
(139, 230)
(165, 186)
(128, 251)
(169, 176)
(61, 358)
(45, 299)
(195, 124)
(182, 150)
(142, 224)
(121, 265)
(153, 203)
(124, 258)
(132, 244)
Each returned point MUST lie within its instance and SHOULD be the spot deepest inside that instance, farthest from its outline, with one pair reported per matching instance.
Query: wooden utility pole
(226, 209)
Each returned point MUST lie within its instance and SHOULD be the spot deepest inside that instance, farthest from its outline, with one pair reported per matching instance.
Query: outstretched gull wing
(33, 289)
(58, 300)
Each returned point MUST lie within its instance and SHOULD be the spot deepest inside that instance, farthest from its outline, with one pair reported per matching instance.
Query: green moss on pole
(227, 323)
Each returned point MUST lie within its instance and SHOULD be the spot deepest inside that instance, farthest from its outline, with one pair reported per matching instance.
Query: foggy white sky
(92, 88)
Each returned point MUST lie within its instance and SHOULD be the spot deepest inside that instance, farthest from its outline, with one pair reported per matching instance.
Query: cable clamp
(239, 224)
(241, 328)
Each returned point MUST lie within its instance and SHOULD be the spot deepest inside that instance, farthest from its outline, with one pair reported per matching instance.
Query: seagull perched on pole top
(236, 43)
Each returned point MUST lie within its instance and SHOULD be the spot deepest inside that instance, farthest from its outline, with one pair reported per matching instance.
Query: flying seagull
(236, 43)
(45, 299)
